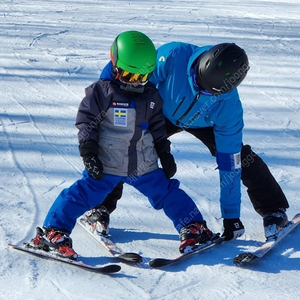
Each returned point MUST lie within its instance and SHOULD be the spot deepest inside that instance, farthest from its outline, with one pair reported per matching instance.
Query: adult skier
(199, 89)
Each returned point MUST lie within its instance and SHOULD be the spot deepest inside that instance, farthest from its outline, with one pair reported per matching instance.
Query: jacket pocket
(112, 152)
(148, 150)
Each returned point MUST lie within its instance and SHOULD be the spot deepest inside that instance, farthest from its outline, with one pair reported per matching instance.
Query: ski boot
(274, 222)
(98, 218)
(192, 234)
(54, 240)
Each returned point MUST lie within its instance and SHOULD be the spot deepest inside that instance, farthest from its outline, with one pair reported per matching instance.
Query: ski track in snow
(50, 52)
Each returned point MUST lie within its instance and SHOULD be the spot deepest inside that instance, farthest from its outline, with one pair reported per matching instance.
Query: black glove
(168, 164)
(167, 161)
(94, 166)
(233, 228)
(89, 152)
(88, 148)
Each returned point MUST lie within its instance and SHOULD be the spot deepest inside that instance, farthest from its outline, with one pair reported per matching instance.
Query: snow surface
(50, 51)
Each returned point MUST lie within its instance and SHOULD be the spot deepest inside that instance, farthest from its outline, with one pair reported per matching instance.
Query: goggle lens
(136, 78)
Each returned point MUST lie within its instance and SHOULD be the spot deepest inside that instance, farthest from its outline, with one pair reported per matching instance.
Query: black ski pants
(262, 188)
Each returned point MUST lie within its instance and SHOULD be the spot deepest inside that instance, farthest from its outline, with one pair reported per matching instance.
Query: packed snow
(50, 51)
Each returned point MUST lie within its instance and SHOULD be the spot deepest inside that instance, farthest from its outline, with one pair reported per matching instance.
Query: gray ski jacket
(125, 125)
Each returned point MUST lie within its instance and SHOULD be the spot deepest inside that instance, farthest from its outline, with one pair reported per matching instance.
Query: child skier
(121, 135)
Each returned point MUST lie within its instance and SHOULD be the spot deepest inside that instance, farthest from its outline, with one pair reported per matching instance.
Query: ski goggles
(197, 85)
(134, 78)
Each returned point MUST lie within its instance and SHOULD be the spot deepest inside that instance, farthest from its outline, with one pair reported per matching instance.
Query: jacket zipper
(175, 111)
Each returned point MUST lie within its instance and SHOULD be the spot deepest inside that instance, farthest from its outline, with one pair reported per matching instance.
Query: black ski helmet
(222, 68)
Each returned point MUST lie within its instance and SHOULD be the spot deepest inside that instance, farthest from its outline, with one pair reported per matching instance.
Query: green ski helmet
(133, 57)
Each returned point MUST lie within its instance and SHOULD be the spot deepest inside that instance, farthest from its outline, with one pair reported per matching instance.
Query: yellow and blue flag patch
(120, 117)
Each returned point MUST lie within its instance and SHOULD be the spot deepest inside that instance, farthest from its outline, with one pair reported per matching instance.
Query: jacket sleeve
(228, 135)
(157, 124)
(91, 112)
(230, 193)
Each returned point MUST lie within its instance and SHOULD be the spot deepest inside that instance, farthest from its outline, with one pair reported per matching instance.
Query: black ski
(112, 268)
(246, 258)
(161, 262)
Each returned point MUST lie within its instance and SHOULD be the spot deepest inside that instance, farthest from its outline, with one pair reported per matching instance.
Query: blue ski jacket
(187, 107)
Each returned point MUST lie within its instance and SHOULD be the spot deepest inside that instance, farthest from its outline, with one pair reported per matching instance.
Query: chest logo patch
(120, 117)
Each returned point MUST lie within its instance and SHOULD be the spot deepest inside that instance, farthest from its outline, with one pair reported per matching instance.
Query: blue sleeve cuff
(228, 161)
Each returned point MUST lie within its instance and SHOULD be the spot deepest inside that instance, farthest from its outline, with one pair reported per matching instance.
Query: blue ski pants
(86, 193)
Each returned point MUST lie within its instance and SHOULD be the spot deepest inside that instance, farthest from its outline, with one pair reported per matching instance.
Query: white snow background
(50, 51)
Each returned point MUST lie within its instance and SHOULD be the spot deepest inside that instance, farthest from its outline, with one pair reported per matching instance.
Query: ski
(247, 258)
(112, 268)
(109, 245)
(162, 262)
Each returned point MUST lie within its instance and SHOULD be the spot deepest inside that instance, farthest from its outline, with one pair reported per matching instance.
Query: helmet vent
(207, 64)
(216, 53)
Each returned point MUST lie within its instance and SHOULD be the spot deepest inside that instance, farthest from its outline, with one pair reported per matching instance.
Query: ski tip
(131, 257)
(245, 259)
(296, 218)
(109, 269)
(158, 262)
